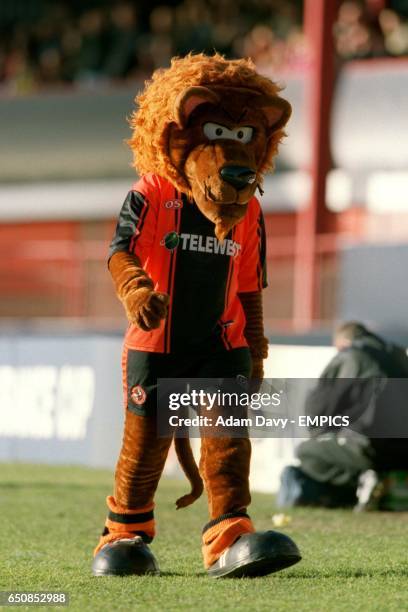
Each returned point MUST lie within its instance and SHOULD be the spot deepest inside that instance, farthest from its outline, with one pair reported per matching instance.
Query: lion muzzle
(238, 176)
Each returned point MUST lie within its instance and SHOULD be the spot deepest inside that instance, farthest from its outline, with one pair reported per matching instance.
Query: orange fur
(156, 109)
(222, 536)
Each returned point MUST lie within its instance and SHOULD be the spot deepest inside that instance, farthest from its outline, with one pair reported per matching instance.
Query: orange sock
(220, 534)
(127, 523)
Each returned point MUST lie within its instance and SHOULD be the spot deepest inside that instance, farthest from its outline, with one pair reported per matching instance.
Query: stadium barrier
(61, 401)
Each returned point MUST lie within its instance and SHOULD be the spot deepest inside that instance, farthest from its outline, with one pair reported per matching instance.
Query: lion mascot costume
(188, 263)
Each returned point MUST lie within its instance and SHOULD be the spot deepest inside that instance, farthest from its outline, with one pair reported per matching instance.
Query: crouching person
(365, 383)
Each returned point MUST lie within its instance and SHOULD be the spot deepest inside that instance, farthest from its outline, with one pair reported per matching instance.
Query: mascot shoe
(256, 554)
(130, 556)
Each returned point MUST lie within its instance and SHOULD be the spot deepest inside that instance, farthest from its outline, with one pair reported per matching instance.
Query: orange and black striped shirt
(178, 249)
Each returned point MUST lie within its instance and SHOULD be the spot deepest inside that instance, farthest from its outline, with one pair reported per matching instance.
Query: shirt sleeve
(137, 221)
(252, 274)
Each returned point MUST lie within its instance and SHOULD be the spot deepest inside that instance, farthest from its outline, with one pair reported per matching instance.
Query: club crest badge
(138, 395)
(170, 241)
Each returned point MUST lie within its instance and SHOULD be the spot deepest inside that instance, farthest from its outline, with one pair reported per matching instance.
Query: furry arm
(254, 330)
(144, 307)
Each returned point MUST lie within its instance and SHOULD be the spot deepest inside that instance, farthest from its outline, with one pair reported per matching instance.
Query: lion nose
(238, 176)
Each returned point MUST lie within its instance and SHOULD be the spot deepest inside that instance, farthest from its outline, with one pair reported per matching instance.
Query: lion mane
(156, 109)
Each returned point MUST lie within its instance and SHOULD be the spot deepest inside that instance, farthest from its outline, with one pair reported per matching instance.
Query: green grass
(51, 518)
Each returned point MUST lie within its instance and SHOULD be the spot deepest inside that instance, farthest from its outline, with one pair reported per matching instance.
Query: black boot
(256, 554)
(124, 558)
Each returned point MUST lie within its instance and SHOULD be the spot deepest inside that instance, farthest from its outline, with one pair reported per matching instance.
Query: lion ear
(189, 99)
(276, 110)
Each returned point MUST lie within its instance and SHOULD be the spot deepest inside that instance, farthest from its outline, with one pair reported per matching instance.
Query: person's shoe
(125, 557)
(256, 554)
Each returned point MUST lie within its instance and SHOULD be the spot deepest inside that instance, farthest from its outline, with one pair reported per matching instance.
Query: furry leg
(138, 471)
(224, 467)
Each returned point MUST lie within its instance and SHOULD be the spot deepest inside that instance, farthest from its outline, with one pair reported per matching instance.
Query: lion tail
(190, 469)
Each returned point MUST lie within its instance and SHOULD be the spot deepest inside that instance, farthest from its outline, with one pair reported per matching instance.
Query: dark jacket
(368, 356)
(356, 383)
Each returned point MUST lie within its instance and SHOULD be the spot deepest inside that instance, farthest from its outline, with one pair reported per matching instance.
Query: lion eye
(244, 134)
(215, 130)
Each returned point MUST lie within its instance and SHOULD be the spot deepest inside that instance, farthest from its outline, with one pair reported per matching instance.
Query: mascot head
(210, 126)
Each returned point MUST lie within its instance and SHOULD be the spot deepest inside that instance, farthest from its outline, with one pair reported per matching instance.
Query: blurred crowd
(371, 29)
(92, 43)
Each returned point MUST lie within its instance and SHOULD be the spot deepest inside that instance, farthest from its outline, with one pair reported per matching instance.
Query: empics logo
(201, 244)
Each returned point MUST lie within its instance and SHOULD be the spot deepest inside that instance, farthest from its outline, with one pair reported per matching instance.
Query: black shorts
(142, 369)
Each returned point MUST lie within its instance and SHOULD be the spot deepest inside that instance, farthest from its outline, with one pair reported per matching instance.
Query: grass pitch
(51, 518)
